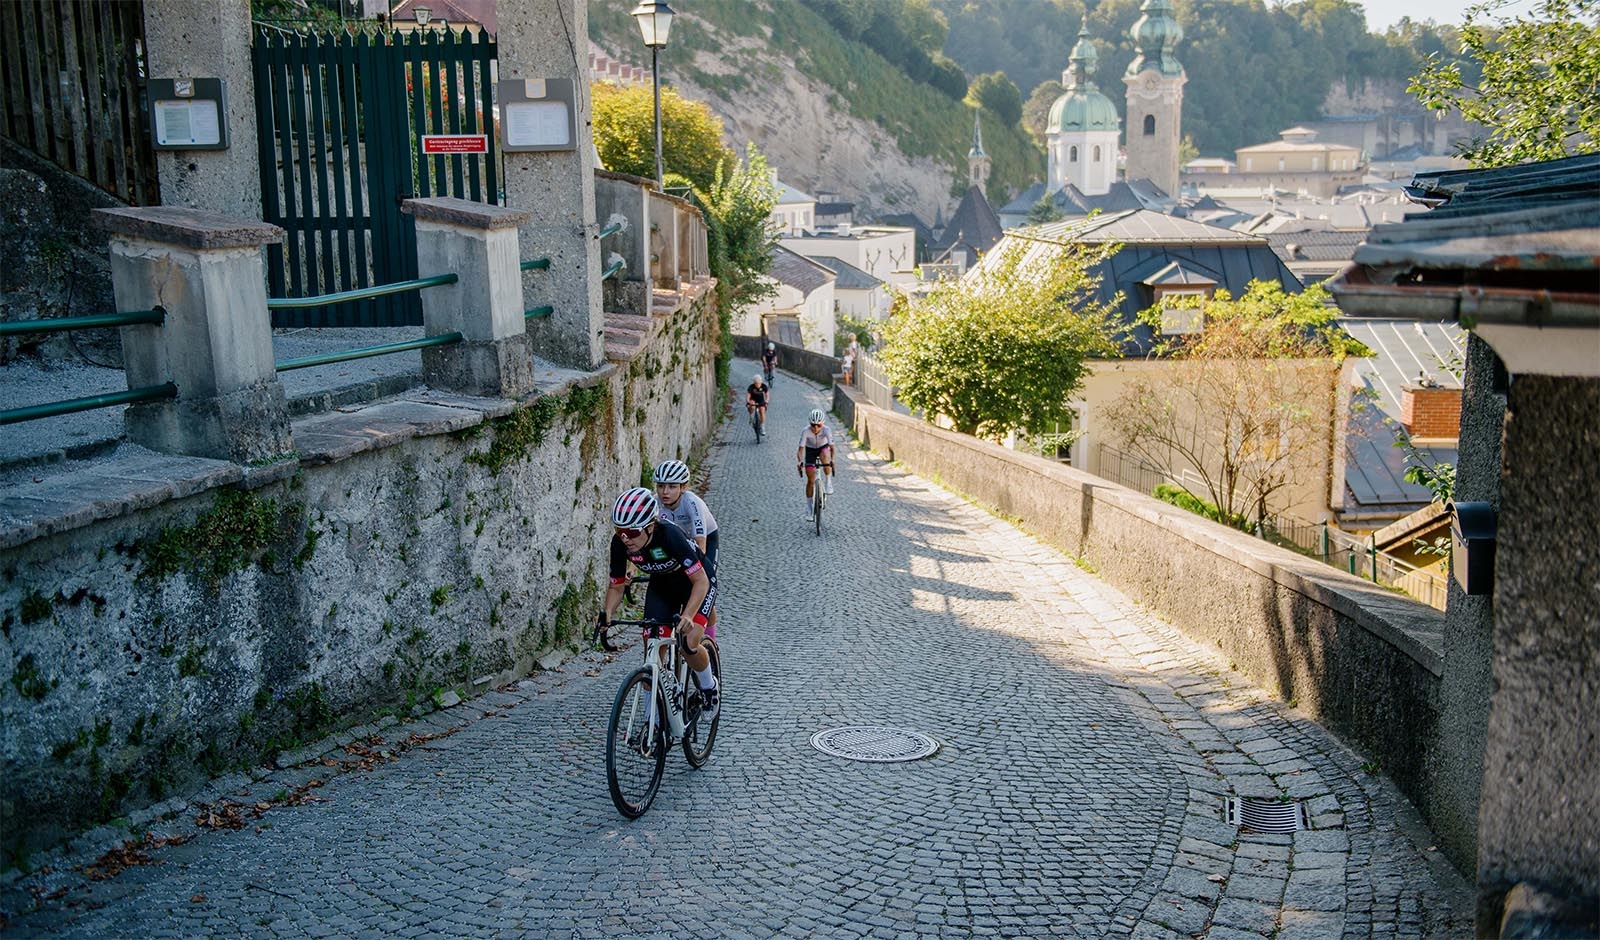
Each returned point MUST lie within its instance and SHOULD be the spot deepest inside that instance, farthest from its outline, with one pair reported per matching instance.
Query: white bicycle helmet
(758, 380)
(635, 509)
(772, 345)
(672, 471)
(817, 417)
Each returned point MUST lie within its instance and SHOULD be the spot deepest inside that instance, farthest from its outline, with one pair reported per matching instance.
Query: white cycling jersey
(692, 515)
(822, 438)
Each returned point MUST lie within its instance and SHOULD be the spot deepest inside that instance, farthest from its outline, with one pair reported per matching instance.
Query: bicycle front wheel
(816, 504)
(699, 735)
(636, 747)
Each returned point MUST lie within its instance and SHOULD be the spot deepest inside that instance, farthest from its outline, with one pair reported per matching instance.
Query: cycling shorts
(814, 455)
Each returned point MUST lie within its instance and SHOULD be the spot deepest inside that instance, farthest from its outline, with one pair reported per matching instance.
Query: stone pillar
(479, 244)
(206, 272)
(536, 40)
(184, 39)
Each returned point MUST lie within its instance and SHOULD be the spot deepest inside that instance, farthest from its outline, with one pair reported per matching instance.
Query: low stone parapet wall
(167, 616)
(1360, 659)
(803, 362)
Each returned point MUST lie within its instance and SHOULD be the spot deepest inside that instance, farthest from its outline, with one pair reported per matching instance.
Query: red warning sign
(455, 143)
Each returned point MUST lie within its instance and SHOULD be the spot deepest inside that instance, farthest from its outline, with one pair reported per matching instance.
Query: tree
(741, 241)
(1247, 396)
(1036, 110)
(691, 135)
(1539, 93)
(1004, 347)
(1045, 210)
(998, 95)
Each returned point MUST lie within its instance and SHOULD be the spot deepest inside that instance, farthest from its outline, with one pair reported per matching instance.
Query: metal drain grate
(875, 745)
(1259, 815)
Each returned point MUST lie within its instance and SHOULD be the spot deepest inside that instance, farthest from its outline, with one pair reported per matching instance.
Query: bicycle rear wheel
(636, 748)
(699, 736)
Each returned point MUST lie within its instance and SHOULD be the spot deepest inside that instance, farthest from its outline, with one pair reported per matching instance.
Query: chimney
(1430, 412)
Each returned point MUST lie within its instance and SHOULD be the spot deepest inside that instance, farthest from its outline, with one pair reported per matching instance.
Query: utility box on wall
(1472, 537)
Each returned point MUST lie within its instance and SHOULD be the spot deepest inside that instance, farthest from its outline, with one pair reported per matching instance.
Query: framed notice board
(188, 113)
(537, 114)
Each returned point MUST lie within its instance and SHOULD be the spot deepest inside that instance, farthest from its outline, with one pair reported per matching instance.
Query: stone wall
(167, 617)
(1360, 659)
(814, 366)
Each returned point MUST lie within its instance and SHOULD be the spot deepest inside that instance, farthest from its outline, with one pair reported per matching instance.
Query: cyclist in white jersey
(686, 510)
(815, 450)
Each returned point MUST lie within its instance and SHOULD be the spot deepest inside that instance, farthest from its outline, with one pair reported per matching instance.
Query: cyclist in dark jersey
(681, 590)
(769, 360)
(756, 395)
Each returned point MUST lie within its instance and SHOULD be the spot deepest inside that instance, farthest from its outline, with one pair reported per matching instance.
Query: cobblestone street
(1087, 749)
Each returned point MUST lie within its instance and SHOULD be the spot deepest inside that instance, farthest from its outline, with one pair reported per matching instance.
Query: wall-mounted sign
(455, 143)
(537, 114)
(188, 113)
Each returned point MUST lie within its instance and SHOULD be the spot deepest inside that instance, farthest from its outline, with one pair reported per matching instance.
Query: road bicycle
(657, 706)
(819, 499)
(757, 423)
(767, 371)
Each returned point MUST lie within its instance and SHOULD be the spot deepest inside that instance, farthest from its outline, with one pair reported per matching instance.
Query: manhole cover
(876, 745)
(1254, 814)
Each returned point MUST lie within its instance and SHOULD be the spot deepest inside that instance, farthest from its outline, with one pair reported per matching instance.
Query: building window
(1149, 125)
(1074, 155)
(1249, 164)
(1316, 163)
(1097, 153)
(1280, 163)
(1182, 311)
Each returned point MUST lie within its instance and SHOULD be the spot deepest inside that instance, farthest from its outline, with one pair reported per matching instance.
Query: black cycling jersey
(757, 393)
(770, 358)
(669, 558)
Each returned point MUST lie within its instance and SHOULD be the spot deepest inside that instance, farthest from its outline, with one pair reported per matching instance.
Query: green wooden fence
(341, 116)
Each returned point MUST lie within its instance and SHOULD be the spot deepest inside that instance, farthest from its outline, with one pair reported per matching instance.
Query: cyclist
(686, 510)
(769, 360)
(815, 450)
(756, 395)
(681, 590)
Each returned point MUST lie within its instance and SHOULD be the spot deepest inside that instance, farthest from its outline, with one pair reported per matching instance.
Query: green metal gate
(340, 118)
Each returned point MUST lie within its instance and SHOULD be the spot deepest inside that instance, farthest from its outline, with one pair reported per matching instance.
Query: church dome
(1082, 107)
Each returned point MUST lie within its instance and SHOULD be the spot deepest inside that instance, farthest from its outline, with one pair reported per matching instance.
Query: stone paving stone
(1087, 745)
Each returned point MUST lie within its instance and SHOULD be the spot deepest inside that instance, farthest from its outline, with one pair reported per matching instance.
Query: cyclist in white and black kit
(756, 396)
(685, 509)
(681, 590)
(815, 450)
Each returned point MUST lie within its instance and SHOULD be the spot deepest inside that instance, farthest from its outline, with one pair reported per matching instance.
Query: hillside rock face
(812, 145)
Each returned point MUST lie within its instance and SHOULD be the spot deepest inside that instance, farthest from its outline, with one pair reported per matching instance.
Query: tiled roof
(797, 271)
(849, 276)
(974, 225)
(1315, 246)
(788, 195)
(1137, 226)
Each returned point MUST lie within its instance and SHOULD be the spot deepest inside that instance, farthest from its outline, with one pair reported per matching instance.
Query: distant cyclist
(756, 397)
(681, 590)
(769, 360)
(816, 450)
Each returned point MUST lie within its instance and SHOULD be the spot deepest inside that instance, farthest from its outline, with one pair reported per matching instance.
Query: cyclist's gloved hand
(800, 469)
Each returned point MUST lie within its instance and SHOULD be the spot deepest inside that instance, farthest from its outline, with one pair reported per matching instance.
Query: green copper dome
(1156, 36)
(1082, 107)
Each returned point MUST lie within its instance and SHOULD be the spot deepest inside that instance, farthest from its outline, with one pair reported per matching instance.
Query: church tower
(1155, 82)
(1082, 134)
(978, 162)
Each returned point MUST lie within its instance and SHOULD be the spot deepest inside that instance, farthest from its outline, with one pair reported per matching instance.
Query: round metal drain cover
(875, 745)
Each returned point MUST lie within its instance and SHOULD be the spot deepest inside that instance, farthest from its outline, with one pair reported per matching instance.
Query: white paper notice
(537, 124)
(187, 122)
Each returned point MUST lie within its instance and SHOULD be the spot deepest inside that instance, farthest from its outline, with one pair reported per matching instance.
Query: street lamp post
(655, 22)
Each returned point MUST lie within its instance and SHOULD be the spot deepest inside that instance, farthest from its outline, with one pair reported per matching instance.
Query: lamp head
(655, 21)
(422, 14)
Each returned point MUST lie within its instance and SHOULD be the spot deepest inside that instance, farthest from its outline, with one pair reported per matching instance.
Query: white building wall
(817, 322)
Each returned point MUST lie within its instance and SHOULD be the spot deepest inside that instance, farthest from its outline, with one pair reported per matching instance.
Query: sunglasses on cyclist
(630, 533)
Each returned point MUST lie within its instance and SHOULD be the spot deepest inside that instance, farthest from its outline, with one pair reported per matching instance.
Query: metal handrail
(536, 264)
(366, 352)
(364, 293)
(611, 228)
(92, 321)
(132, 396)
(544, 311)
(612, 269)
